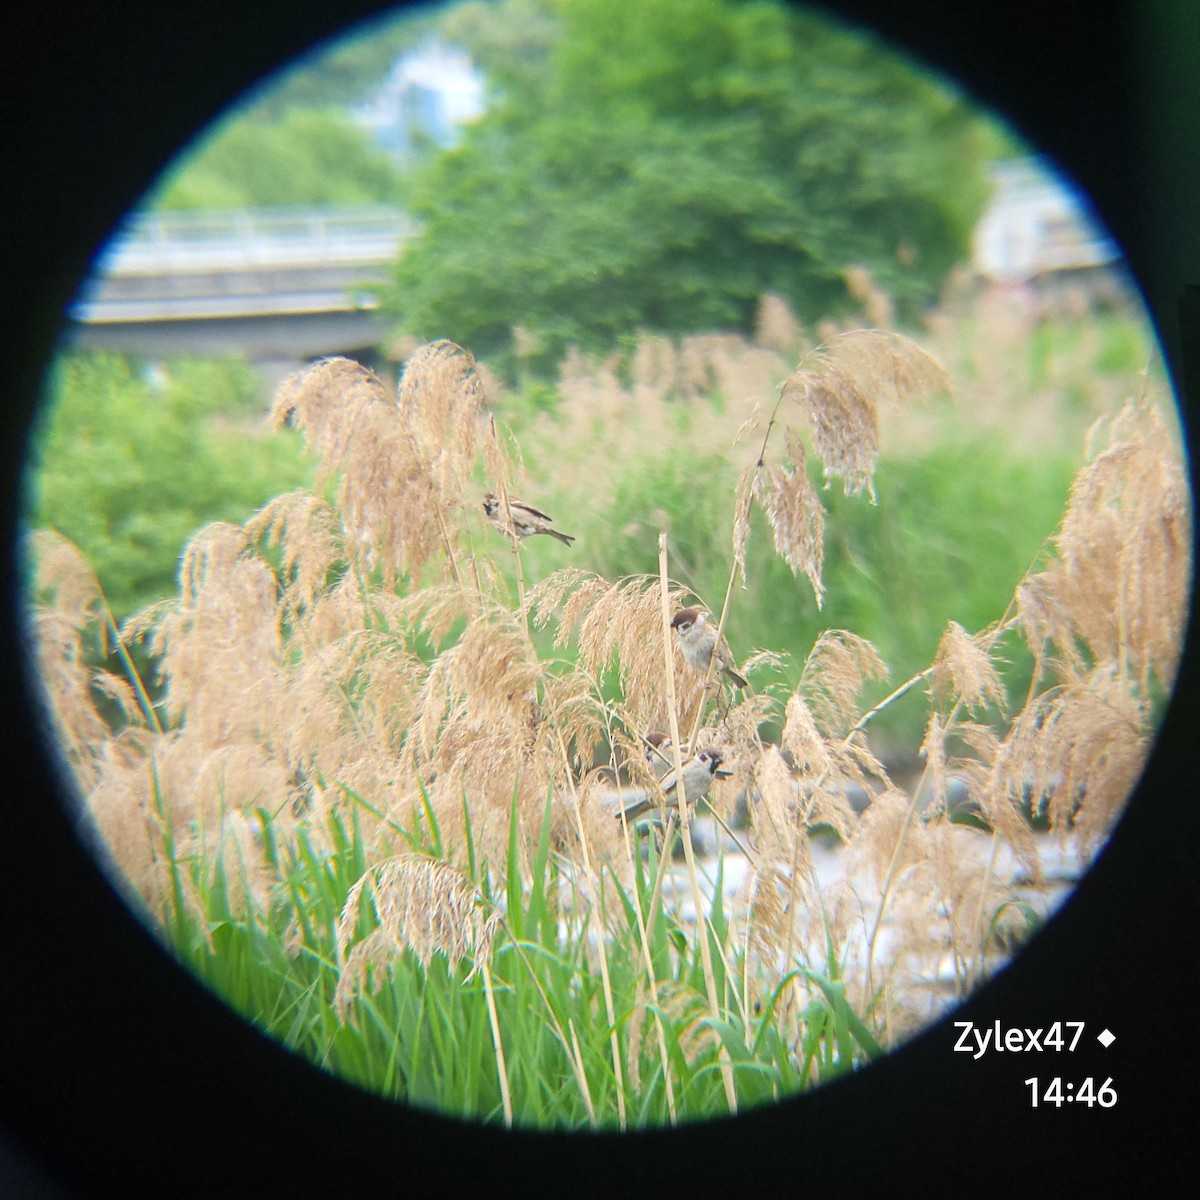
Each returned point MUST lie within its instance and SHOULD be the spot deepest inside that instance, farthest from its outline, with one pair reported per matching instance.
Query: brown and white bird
(697, 638)
(697, 778)
(525, 519)
(660, 753)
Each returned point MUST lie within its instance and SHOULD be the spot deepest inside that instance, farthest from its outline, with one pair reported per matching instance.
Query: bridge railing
(151, 243)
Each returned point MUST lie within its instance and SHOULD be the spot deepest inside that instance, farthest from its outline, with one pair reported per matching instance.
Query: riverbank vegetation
(372, 804)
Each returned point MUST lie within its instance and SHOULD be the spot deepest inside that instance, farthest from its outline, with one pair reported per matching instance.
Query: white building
(1038, 224)
(428, 94)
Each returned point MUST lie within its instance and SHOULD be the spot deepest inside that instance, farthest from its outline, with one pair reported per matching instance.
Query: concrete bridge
(275, 285)
(289, 284)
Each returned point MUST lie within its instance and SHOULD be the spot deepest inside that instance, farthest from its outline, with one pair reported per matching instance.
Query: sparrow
(697, 639)
(526, 520)
(697, 777)
(660, 752)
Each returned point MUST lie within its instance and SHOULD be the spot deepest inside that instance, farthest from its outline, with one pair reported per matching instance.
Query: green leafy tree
(130, 468)
(305, 156)
(663, 164)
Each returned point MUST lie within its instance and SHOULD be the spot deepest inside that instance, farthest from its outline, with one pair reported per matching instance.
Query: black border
(118, 1072)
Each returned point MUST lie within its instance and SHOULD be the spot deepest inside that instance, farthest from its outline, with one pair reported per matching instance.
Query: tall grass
(377, 808)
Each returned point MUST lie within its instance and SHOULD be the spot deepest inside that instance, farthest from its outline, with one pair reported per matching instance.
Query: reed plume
(363, 661)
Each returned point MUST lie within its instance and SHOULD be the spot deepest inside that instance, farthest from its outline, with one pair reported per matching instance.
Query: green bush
(129, 467)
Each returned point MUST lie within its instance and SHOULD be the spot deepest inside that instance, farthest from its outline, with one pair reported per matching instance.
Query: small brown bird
(525, 519)
(697, 777)
(697, 638)
(660, 752)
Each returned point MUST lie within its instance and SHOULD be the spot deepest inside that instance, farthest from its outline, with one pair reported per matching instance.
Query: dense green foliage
(129, 468)
(305, 156)
(663, 165)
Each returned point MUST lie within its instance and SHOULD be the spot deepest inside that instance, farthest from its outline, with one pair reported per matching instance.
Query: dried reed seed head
(62, 572)
(422, 905)
(579, 590)
(501, 456)
(933, 750)
(323, 401)
(490, 671)
(307, 529)
(621, 620)
(577, 713)
(119, 804)
(839, 386)
(736, 733)
(801, 738)
(877, 304)
(894, 365)
(383, 678)
(67, 682)
(475, 776)
(937, 905)
(1125, 544)
(441, 397)
(1080, 749)
(405, 460)
(828, 803)
(776, 327)
(120, 693)
(338, 613)
(689, 369)
(742, 502)
(219, 573)
(606, 846)
(795, 514)
(198, 784)
(985, 765)
(838, 665)
(220, 646)
(655, 364)
(769, 913)
(236, 854)
(844, 426)
(599, 417)
(963, 667)
(433, 611)
(1120, 577)
(777, 808)
(1037, 616)
(885, 836)
(142, 625)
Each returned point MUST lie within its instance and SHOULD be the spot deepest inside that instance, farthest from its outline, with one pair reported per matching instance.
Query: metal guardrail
(156, 243)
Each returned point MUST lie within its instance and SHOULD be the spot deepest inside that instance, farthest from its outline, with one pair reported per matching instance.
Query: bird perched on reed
(660, 752)
(697, 639)
(524, 520)
(698, 774)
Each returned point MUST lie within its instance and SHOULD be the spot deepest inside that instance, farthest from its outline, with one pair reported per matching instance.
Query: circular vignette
(119, 1066)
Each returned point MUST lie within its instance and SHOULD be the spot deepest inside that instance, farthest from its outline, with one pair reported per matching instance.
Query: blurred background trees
(312, 156)
(129, 462)
(640, 173)
(663, 165)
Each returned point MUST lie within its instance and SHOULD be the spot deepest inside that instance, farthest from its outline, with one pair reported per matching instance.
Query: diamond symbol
(1106, 1039)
